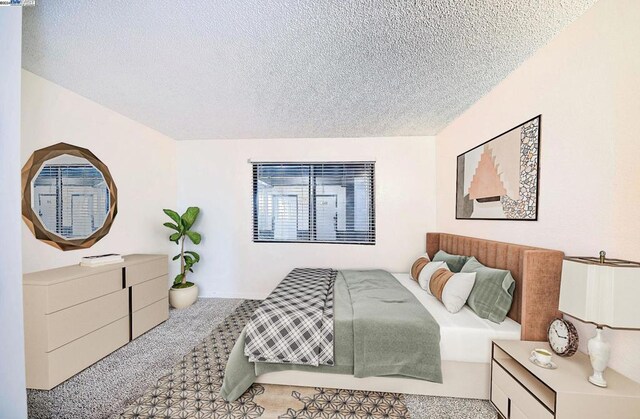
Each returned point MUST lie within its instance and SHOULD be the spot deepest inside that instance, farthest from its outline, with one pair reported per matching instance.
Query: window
(314, 202)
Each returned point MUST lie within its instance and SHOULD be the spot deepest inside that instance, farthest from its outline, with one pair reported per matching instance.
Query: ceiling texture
(200, 69)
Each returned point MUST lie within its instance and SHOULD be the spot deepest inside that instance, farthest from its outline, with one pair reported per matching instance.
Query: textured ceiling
(275, 68)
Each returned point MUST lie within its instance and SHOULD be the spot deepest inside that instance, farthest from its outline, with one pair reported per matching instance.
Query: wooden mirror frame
(31, 169)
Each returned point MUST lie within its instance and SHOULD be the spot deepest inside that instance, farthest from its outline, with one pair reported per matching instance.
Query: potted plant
(184, 293)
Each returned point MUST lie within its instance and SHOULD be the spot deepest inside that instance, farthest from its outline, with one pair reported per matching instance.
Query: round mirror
(69, 197)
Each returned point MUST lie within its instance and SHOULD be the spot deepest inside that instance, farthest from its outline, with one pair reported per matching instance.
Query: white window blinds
(71, 199)
(314, 202)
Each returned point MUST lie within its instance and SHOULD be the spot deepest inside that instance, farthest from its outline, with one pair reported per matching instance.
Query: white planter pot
(183, 297)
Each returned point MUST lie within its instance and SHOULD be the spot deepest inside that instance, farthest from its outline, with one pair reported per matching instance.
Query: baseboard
(236, 295)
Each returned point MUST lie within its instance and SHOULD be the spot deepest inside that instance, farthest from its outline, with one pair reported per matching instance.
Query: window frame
(372, 232)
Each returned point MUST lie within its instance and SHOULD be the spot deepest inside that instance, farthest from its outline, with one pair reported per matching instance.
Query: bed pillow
(417, 266)
(451, 289)
(427, 272)
(455, 262)
(492, 294)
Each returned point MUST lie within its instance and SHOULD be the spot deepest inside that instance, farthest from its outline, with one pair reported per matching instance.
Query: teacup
(542, 356)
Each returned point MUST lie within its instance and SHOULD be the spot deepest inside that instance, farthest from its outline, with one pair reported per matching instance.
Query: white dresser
(75, 316)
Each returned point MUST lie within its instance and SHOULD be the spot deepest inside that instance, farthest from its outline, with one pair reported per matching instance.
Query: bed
(464, 337)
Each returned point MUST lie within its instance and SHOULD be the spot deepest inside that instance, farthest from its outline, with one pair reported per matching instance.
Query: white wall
(141, 161)
(13, 397)
(216, 176)
(586, 85)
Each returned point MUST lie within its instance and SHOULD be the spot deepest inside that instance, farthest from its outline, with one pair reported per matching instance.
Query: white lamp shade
(601, 293)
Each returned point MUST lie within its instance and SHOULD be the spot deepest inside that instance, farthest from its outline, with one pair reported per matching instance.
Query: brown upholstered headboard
(536, 272)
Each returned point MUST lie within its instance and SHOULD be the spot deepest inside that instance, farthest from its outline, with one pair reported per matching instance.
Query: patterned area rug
(191, 389)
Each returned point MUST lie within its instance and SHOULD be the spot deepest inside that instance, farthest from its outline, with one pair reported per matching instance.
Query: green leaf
(194, 254)
(195, 237)
(188, 260)
(174, 216)
(190, 270)
(189, 217)
(178, 279)
(175, 237)
(176, 257)
(172, 226)
(185, 285)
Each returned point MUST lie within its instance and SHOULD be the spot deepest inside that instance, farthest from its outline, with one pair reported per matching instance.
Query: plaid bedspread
(295, 323)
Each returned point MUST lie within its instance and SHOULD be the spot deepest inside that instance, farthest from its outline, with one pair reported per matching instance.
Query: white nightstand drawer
(521, 402)
(516, 413)
(500, 400)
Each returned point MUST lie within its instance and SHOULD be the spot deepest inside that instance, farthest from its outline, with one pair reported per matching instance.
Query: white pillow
(427, 271)
(457, 290)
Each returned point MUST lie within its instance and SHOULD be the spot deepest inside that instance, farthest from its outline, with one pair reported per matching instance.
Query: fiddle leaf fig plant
(181, 227)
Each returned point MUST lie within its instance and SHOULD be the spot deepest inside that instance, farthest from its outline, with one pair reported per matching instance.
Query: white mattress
(463, 336)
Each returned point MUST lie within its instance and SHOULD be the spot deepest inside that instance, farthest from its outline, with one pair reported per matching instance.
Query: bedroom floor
(108, 387)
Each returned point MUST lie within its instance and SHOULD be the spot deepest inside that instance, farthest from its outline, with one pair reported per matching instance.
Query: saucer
(550, 366)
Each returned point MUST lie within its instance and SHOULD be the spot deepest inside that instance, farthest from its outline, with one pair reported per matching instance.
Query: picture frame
(499, 179)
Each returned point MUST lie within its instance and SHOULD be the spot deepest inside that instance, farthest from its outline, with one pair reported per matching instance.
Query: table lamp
(604, 292)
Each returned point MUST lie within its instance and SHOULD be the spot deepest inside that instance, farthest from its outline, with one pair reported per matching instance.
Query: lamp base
(597, 379)
(599, 352)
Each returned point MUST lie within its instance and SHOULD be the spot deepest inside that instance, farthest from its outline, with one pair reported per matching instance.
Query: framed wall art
(498, 180)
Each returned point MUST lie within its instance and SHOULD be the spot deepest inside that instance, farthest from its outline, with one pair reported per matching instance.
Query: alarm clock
(563, 337)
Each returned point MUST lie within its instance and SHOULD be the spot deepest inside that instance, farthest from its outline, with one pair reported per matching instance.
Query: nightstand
(520, 389)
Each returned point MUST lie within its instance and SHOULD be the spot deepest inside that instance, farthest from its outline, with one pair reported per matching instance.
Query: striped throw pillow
(451, 289)
(418, 265)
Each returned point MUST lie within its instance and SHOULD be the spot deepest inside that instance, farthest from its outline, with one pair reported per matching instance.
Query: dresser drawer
(145, 271)
(521, 403)
(149, 317)
(74, 322)
(149, 292)
(72, 358)
(69, 293)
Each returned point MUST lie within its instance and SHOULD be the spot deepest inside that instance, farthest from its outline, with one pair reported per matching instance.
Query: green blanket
(380, 330)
